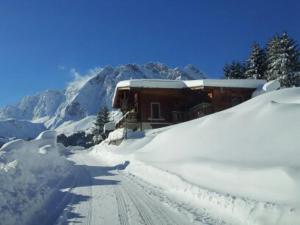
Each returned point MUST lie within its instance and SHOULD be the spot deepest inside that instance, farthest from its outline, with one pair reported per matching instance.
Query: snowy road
(106, 195)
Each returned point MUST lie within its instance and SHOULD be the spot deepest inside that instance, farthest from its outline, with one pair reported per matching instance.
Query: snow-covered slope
(70, 127)
(86, 94)
(242, 162)
(239, 150)
(20, 129)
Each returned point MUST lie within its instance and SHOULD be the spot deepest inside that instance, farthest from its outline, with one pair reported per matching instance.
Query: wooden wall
(224, 98)
(169, 99)
(183, 100)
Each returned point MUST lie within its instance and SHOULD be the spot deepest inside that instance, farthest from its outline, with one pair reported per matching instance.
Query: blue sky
(41, 41)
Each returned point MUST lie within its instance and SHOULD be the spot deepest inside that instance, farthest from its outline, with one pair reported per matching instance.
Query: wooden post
(125, 127)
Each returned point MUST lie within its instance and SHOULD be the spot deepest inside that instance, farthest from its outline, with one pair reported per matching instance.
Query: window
(155, 110)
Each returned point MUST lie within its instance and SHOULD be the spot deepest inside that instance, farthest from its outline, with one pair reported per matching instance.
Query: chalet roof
(151, 83)
(232, 83)
(179, 84)
(192, 84)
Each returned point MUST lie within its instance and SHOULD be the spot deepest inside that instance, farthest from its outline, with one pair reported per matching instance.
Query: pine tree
(283, 60)
(256, 64)
(102, 119)
(273, 49)
(235, 70)
(226, 71)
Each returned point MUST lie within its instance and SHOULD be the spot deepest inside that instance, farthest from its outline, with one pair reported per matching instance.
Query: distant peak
(191, 67)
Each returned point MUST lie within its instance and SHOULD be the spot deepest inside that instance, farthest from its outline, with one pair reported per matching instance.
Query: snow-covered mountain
(20, 129)
(41, 105)
(86, 94)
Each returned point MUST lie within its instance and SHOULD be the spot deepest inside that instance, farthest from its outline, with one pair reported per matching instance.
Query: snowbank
(242, 162)
(116, 135)
(29, 172)
(239, 149)
(119, 134)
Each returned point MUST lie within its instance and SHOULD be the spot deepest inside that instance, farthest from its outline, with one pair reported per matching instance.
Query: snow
(232, 83)
(29, 173)
(110, 126)
(70, 127)
(152, 83)
(272, 85)
(20, 129)
(106, 195)
(179, 84)
(116, 135)
(241, 164)
(115, 116)
(34, 107)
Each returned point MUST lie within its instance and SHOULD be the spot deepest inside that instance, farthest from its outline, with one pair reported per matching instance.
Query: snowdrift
(29, 172)
(251, 150)
(243, 161)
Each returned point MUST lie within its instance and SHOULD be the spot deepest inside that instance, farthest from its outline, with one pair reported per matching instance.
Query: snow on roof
(148, 83)
(151, 83)
(233, 83)
(178, 84)
(267, 87)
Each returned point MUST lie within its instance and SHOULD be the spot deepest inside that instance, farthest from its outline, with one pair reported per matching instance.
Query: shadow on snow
(58, 209)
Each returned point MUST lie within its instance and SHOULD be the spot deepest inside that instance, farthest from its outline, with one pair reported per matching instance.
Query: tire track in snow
(199, 215)
(90, 192)
(122, 207)
(150, 211)
(131, 200)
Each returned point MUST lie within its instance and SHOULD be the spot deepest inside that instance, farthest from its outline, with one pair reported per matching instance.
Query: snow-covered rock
(86, 94)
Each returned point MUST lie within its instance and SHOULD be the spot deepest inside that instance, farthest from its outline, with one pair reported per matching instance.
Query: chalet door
(155, 110)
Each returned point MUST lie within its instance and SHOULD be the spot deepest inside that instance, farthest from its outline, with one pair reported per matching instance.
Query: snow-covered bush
(29, 172)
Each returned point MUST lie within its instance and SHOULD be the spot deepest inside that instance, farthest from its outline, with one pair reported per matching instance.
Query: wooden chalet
(151, 103)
